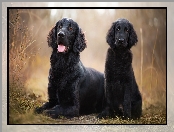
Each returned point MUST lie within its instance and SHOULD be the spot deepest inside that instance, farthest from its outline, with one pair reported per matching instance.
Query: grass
(22, 107)
(22, 102)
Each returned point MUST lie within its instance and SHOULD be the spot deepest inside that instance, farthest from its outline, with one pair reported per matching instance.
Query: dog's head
(66, 36)
(121, 34)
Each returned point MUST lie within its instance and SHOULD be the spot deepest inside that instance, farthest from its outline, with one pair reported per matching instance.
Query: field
(22, 106)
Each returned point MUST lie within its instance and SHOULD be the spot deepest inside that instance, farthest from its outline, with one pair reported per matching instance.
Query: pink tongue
(61, 48)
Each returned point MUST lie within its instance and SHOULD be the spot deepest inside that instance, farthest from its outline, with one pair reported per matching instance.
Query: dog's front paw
(39, 110)
(53, 113)
(126, 115)
(104, 114)
(100, 116)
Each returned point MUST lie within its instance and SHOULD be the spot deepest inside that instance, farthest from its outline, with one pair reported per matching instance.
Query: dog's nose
(61, 34)
(121, 40)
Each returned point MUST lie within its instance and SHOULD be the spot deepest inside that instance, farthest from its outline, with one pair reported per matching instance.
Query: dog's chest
(65, 96)
(118, 67)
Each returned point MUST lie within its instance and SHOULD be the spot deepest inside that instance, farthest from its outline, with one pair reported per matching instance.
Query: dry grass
(22, 106)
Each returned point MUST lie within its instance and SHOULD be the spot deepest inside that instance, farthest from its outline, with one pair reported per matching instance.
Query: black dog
(122, 94)
(72, 89)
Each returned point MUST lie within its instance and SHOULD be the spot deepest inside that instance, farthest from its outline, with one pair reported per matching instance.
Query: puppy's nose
(61, 34)
(121, 40)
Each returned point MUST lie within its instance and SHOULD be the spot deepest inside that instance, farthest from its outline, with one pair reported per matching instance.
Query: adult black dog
(73, 89)
(122, 94)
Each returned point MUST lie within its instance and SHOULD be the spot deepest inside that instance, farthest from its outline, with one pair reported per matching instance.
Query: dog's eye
(60, 26)
(126, 30)
(70, 28)
(118, 28)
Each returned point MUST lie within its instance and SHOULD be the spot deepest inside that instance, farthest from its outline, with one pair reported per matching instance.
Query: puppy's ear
(110, 38)
(52, 37)
(133, 39)
(80, 42)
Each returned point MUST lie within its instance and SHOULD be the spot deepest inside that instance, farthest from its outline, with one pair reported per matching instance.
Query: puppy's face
(65, 31)
(121, 33)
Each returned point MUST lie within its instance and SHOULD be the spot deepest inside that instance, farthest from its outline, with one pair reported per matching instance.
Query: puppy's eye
(70, 28)
(126, 30)
(60, 26)
(118, 28)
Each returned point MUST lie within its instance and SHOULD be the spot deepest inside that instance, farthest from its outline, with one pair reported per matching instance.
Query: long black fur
(73, 89)
(123, 97)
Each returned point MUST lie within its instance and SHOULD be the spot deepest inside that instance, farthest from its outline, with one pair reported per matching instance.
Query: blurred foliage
(29, 59)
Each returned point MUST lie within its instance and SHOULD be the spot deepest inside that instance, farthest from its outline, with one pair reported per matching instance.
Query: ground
(21, 107)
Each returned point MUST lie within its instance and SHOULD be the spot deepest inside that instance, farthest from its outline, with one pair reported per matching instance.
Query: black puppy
(122, 94)
(73, 89)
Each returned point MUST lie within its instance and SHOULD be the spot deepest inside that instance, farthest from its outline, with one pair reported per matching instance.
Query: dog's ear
(110, 37)
(52, 37)
(80, 42)
(133, 39)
